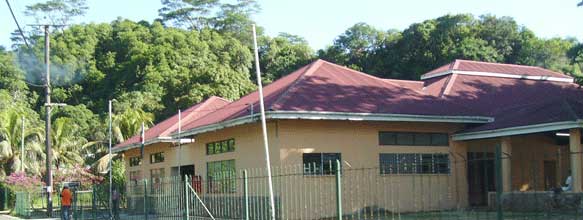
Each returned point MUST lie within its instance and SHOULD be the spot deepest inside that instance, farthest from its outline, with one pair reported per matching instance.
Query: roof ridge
(501, 64)
(373, 77)
(313, 67)
(403, 80)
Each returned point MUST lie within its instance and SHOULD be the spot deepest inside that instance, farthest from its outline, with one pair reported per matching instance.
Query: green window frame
(157, 157)
(135, 161)
(413, 138)
(413, 163)
(320, 163)
(221, 176)
(219, 147)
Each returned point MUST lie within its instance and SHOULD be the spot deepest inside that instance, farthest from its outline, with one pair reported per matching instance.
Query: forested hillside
(196, 49)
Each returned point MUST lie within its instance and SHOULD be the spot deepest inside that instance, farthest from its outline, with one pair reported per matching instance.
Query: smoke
(35, 70)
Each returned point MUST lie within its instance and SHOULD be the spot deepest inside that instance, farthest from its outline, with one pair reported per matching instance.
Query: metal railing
(407, 186)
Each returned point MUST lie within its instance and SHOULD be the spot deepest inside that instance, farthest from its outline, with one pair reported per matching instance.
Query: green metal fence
(406, 186)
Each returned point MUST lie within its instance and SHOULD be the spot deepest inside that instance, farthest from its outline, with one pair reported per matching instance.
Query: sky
(321, 21)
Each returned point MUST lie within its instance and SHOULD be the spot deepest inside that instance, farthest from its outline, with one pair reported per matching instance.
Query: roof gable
(170, 125)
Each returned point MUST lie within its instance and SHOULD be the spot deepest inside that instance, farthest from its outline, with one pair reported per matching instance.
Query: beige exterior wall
(357, 141)
(359, 147)
(249, 151)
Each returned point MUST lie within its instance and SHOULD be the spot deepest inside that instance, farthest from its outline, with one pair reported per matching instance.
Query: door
(550, 174)
(184, 170)
(480, 177)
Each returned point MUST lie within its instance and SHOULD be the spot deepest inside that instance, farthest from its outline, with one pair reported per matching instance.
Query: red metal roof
(170, 125)
(326, 87)
(485, 67)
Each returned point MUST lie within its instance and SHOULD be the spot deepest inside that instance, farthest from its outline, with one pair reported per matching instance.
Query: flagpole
(110, 163)
(179, 141)
(264, 127)
(143, 139)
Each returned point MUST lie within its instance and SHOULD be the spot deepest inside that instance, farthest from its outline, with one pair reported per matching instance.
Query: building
(452, 119)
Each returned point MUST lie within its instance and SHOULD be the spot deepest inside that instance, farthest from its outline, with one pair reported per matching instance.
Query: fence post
(93, 205)
(338, 191)
(499, 181)
(186, 197)
(246, 193)
(146, 199)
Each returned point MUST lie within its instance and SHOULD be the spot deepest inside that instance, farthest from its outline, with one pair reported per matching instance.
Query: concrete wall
(249, 151)
(365, 188)
(358, 144)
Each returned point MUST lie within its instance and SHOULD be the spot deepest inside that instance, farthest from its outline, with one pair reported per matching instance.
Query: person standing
(115, 199)
(66, 199)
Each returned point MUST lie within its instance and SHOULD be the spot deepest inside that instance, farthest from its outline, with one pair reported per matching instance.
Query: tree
(60, 12)
(284, 54)
(190, 14)
(129, 123)
(11, 140)
(355, 47)
(68, 148)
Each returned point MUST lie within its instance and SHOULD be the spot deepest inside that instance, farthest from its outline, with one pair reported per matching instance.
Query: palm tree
(124, 126)
(129, 123)
(10, 143)
(68, 147)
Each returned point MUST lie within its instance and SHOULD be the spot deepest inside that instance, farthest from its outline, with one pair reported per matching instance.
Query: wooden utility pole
(48, 149)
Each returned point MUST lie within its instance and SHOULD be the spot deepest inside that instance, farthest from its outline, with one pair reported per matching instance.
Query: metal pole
(246, 193)
(179, 141)
(22, 148)
(264, 128)
(338, 191)
(146, 199)
(499, 181)
(110, 163)
(49, 177)
(186, 211)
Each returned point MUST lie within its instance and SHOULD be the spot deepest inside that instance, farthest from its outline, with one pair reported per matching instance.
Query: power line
(17, 24)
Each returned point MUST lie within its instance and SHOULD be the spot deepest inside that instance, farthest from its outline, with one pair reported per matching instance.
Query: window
(156, 175)
(221, 176)
(135, 175)
(413, 139)
(414, 163)
(220, 147)
(135, 161)
(157, 157)
(320, 163)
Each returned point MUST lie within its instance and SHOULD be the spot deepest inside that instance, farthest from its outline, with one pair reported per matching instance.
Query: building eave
(314, 115)
(528, 129)
(501, 75)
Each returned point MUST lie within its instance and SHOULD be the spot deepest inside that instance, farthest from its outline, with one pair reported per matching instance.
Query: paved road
(8, 217)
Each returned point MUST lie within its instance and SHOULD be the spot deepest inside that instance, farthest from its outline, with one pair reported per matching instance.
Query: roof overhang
(154, 141)
(315, 115)
(501, 75)
(528, 129)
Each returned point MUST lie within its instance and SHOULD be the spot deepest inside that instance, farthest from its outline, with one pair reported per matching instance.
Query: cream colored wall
(249, 151)
(358, 144)
(357, 141)
(527, 161)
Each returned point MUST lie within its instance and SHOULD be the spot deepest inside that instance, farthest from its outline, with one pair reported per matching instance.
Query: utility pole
(22, 148)
(110, 163)
(48, 149)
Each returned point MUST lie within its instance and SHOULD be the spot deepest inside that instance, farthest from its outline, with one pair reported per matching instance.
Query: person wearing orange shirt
(66, 199)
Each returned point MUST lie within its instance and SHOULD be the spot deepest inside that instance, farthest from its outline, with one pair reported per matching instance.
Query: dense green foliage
(200, 48)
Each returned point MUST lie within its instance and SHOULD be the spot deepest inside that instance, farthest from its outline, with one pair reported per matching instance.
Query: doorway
(481, 179)
(550, 174)
(184, 170)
